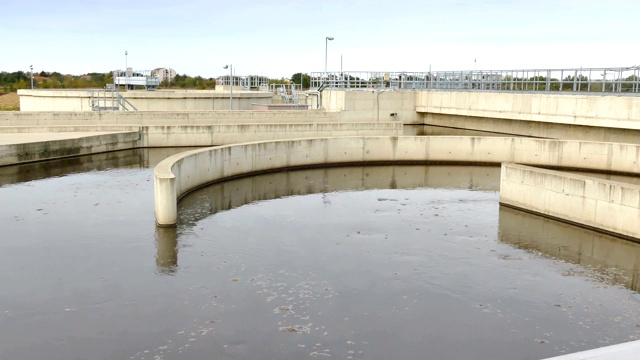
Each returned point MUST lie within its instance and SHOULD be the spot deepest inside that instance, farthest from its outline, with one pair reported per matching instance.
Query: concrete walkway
(625, 351)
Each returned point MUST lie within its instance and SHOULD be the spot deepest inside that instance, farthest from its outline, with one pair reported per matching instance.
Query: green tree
(278, 81)
(21, 84)
(300, 78)
(12, 81)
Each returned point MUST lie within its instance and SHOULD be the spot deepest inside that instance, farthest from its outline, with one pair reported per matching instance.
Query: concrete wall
(20, 118)
(161, 100)
(575, 109)
(30, 143)
(180, 173)
(531, 114)
(226, 134)
(279, 107)
(533, 128)
(68, 129)
(11, 154)
(589, 117)
(588, 201)
(375, 105)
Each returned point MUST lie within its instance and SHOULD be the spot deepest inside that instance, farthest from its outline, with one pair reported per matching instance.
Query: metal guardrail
(245, 82)
(288, 89)
(605, 80)
(108, 99)
(288, 92)
(132, 79)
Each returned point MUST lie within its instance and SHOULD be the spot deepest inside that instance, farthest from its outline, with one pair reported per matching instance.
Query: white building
(164, 74)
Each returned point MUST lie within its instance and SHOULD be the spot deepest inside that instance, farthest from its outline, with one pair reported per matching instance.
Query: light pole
(230, 67)
(126, 70)
(31, 67)
(326, 46)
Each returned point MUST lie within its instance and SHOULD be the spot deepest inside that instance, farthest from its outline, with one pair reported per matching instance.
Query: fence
(132, 79)
(606, 80)
(245, 82)
(109, 99)
(288, 92)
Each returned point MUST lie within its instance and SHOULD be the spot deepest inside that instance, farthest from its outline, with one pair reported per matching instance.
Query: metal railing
(132, 79)
(109, 99)
(605, 80)
(288, 92)
(245, 82)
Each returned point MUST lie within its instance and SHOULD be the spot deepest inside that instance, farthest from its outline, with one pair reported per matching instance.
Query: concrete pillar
(166, 206)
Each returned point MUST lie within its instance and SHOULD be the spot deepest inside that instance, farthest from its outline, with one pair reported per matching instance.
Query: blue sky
(278, 38)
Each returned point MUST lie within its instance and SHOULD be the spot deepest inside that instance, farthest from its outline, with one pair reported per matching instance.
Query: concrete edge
(624, 351)
(282, 154)
(603, 205)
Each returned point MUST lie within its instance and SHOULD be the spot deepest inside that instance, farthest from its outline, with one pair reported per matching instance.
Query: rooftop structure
(164, 74)
(132, 79)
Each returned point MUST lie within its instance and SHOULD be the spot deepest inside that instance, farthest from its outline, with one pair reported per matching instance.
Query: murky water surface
(404, 262)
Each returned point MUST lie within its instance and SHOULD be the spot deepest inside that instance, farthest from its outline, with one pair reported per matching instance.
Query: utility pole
(230, 67)
(326, 47)
(126, 70)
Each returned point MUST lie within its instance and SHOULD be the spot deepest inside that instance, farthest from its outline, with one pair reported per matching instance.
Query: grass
(9, 102)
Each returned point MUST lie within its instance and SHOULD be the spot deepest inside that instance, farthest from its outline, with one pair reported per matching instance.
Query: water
(406, 262)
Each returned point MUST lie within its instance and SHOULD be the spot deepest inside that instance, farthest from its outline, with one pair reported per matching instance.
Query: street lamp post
(326, 46)
(126, 70)
(230, 67)
(31, 67)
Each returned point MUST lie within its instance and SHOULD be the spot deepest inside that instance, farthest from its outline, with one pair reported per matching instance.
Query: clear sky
(278, 38)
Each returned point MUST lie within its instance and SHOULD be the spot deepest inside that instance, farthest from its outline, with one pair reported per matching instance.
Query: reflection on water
(615, 260)
(135, 158)
(389, 273)
(47, 169)
(166, 249)
(206, 201)
(228, 195)
(400, 262)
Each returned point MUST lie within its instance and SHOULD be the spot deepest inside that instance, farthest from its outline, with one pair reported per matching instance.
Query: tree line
(13, 81)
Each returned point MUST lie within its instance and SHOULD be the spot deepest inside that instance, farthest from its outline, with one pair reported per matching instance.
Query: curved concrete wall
(181, 173)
